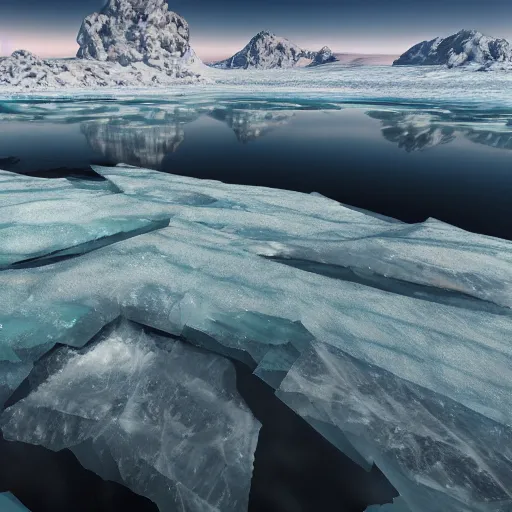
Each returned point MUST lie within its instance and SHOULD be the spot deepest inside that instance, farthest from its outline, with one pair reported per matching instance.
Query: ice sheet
(280, 281)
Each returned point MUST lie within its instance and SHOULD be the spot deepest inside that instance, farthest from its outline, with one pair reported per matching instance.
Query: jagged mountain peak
(324, 56)
(467, 46)
(266, 50)
(263, 33)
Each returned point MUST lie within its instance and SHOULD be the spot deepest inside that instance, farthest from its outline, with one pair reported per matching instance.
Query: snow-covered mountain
(128, 31)
(324, 56)
(267, 51)
(129, 43)
(463, 48)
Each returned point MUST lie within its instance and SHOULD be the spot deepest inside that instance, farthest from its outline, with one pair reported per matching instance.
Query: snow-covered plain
(334, 82)
(391, 340)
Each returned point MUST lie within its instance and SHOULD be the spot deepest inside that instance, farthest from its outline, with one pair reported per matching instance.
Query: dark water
(409, 164)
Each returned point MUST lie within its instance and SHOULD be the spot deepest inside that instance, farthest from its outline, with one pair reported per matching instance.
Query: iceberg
(380, 334)
(151, 412)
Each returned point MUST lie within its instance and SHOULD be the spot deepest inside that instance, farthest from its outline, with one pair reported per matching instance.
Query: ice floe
(392, 340)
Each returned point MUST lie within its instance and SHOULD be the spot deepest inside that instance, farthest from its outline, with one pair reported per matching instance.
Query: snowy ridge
(463, 48)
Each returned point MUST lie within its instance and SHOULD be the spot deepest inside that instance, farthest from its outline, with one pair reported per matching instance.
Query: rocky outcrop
(22, 66)
(463, 48)
(324, 56)
(130, 31)
(267, 51)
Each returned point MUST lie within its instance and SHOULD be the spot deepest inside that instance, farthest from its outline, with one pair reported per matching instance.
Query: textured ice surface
(17, 189)
(392, 340)
(54, 224)
(155, 414)
(439, 455)
(430, 253)
(9, 503)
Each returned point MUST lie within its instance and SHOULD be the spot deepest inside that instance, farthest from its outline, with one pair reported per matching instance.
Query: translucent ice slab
(152, 413)
(438, 454)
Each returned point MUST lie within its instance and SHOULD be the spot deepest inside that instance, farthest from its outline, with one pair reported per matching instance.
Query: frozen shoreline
(337, 83)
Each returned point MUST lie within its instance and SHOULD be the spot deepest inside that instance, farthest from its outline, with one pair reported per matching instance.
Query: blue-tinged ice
(155, 414)
(19, 189)
(51, 226)
(392, 340)
(431, 254)
(9, 503)
(439, 455)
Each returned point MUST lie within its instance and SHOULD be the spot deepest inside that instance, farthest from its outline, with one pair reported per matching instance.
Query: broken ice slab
(20, 189)
(254, 211)
(438, 454)
(188, 276)
(9, 503)
(309, 228)
(398, 505)
(152, 413)
(203, 278)
(431, 253)
(61, 227)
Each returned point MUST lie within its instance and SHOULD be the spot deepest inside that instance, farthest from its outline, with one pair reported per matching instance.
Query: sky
(219, 28)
